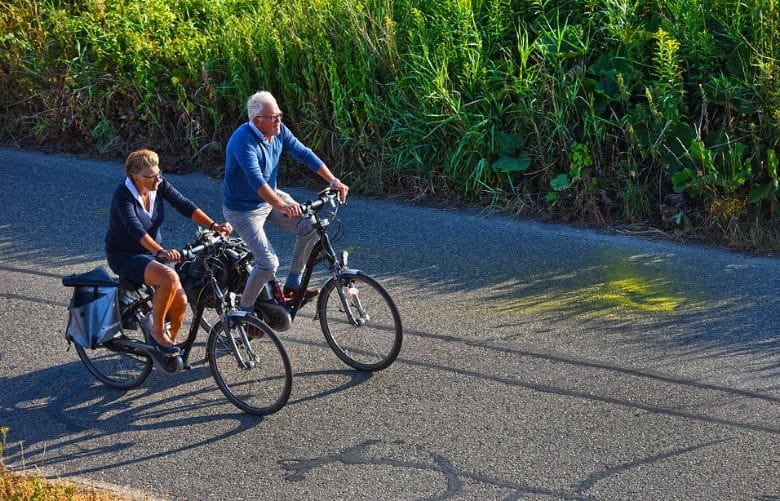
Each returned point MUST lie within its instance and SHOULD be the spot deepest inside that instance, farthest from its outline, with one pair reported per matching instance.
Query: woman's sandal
(169, 351)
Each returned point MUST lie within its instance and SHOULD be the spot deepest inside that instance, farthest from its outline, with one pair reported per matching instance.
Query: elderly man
(251, 195)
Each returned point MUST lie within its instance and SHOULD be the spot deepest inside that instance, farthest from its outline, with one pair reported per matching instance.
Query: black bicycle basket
(194, 278)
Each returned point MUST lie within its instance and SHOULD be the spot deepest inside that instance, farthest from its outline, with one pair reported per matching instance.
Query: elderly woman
(133, 247)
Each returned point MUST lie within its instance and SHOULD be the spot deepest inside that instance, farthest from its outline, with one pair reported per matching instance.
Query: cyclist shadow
(308, 385)
(50, 425)
(305, 381)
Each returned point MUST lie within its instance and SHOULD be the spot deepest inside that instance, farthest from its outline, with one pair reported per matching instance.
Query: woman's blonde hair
(140, 160)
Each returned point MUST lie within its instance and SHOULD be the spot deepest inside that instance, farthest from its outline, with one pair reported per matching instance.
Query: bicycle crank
(168, 365)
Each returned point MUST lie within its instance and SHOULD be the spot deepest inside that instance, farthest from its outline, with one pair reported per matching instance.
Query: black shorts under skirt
(130, 266)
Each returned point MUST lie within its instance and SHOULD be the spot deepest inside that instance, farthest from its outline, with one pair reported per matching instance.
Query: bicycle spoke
(115, 367)
(367, 333)
(253, 372)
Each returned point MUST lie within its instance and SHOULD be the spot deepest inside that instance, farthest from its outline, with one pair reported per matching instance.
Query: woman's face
(149, 179)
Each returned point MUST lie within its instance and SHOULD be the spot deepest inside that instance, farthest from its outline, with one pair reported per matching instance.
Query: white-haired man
(251, 196)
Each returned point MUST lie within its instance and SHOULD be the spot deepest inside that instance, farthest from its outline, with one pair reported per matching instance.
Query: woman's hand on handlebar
(170, 255)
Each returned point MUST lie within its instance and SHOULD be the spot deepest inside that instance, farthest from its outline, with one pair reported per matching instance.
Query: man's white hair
(258, 101)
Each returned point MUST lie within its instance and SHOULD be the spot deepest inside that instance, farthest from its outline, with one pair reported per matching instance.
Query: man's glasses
(156, 178)
(275, 118)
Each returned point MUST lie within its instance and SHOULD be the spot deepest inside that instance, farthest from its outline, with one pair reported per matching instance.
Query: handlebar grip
(190, 252)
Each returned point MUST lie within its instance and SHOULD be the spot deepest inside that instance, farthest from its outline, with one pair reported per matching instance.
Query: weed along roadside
(636, 117)
(32, 485)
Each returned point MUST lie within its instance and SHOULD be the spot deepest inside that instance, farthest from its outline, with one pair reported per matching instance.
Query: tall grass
(660, 112)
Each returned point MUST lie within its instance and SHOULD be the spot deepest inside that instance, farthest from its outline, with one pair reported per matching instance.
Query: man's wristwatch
(334, 181)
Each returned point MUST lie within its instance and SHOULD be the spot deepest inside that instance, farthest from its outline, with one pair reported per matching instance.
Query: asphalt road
(540, 362)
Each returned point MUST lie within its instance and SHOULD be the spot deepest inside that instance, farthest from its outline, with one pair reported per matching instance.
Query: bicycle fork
(228, 314)
(251, 362)
(349, 296)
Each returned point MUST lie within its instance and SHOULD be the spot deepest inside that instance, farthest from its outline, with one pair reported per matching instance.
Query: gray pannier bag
(94, 316)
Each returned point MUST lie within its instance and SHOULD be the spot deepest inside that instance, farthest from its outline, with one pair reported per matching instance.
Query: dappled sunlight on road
(619, 291)
(654, 298)
(618, 298)
(610, 287)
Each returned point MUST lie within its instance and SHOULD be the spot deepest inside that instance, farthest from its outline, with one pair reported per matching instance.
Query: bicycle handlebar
(313, 206)
(211, 240)
(309, 207)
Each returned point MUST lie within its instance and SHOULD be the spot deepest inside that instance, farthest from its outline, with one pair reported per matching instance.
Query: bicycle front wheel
(116, 365)
(371, 339)
(250, 365)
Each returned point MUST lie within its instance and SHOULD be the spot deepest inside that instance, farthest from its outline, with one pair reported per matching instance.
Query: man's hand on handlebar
(342, 188)
(224, 228)
(291, 210)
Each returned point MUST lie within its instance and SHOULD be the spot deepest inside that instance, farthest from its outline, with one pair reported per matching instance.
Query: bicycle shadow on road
(51, 425)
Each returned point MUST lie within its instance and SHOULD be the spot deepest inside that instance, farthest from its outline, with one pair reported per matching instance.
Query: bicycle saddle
(98, 277)
(128, 284)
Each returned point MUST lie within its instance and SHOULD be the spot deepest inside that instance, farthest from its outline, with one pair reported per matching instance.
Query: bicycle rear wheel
(370, 343)
(116, 365)
(256, 376)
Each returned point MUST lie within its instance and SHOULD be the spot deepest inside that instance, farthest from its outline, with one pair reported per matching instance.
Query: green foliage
(592, 109)
(581, 159)
(707, 173)
(771, 188)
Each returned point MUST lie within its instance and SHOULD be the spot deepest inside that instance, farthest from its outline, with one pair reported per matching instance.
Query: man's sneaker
(290, 293)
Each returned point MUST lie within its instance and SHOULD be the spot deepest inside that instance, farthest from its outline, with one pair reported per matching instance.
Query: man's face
(269, 122)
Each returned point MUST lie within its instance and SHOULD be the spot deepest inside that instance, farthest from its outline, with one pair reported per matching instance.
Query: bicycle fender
(349, 272)
(242, 313)
(238, 313)
(345, 272)
(232, 314)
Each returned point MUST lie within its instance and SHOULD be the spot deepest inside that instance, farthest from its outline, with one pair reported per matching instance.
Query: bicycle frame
(226, 307)
(141, 305)
(338, 268)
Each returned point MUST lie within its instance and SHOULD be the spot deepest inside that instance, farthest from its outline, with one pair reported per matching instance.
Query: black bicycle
(358, 317)
(248, 361)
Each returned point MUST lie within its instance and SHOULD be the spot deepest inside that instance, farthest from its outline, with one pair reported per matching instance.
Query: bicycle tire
(375, 343)
(261, 389)
(118, 368)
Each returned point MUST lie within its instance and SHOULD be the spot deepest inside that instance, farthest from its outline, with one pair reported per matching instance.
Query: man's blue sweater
(251, 162)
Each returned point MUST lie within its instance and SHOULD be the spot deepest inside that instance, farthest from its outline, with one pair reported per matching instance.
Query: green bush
(630, 112)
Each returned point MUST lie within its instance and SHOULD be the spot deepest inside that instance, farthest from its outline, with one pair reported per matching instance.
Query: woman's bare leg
(165, 282)
(176, 312)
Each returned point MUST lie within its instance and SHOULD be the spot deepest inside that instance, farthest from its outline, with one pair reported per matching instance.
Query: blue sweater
(128, 222)
(252, 162)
